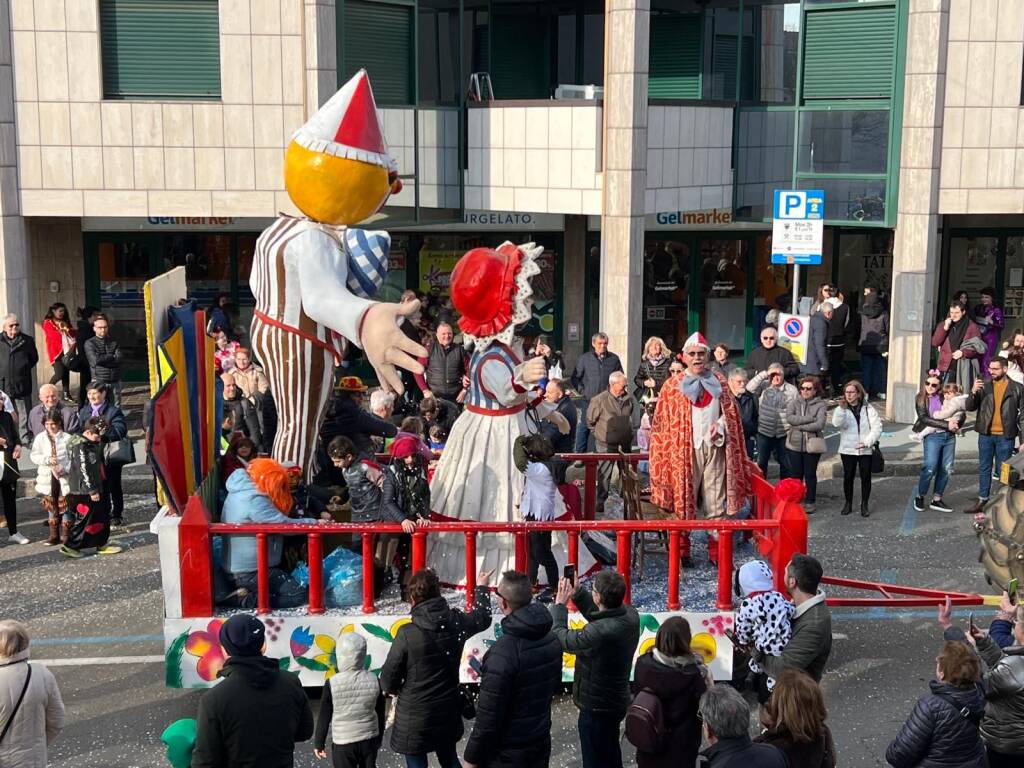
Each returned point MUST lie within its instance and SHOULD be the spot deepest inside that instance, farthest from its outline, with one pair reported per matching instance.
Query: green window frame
(380, 37)
(160, 49)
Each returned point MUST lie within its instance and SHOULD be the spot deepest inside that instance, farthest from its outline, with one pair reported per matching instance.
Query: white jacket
(41, 452)
(39, 718)
(868, 432)
(354, 693)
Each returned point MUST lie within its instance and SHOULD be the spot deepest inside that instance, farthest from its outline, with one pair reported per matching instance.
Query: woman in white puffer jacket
(50, 454)
(36, 721)
(860, 428)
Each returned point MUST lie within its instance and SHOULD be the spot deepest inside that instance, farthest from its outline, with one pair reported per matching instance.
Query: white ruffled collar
(522, 302)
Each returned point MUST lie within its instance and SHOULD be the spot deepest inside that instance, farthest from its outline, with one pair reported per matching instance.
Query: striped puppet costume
(313, 278)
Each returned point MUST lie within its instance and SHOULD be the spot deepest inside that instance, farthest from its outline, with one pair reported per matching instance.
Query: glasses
(698, 353)
(767, 338)
(806, 388)
(931, 385)
(14, 325)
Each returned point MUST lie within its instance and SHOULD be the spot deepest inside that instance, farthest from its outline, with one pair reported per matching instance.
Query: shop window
(207, 262)
(863, 259)
(362, 27)
(166, 49)
(843, 141)
(973, 265)
(1013, 297)
(666, 291)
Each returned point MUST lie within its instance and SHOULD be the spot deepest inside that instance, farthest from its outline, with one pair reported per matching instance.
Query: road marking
(98, 640)
(909, 517)
(93, 661)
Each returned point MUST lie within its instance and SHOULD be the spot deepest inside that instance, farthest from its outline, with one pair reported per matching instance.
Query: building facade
(639, 141)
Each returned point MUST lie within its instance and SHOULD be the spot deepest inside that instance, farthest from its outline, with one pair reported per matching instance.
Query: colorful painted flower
(205, 645)
(328, 658)
(646, 645)
(301, 641)
(706, 645)
(568, 661)
(398, 625)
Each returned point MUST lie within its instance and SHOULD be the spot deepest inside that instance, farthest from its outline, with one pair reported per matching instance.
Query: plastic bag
(301, 573)
(343, 578)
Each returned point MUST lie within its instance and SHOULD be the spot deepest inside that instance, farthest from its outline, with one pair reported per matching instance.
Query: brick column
(14, 279)
(627, 24)
(918, 245)
(320, 43)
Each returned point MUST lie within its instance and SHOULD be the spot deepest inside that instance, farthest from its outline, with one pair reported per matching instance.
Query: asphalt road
(110, 608)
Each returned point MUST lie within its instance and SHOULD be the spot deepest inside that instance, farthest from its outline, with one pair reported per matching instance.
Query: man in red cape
(697, 454)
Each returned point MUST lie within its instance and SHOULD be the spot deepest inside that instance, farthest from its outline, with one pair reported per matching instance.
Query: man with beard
(1000, 406)
(950, 336)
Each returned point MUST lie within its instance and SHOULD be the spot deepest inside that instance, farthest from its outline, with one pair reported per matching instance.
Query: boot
(864, 510)
(54, 533)
(65, 531)
(977, 508)
(847, 508)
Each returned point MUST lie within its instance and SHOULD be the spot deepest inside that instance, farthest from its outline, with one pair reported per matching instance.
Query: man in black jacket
(347, 416)
(422, 669)
(18, 358)
(748, 406)
(1000, 406)
(770, 352)
(726, 727)
(257, 714)
(554, 394)
(604, 651)
(104, 357)
(520, 674)
(245, 415)
(589, 379)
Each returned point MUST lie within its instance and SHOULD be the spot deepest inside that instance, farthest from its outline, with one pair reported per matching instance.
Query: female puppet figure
(476, 477)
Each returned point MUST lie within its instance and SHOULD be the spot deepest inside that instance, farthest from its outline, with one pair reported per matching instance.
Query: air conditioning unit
(579, 92)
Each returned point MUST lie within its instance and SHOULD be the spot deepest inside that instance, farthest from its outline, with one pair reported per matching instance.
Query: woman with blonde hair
(794, 721)
(860, 428)
(653, 370)
(31, 709)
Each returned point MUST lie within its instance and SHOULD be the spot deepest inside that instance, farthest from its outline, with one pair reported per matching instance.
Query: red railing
(780, 530)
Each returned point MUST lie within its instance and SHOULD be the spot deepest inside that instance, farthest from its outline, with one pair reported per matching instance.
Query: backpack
(645, 723)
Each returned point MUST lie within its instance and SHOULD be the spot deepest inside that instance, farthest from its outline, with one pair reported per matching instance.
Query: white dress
(476, 477)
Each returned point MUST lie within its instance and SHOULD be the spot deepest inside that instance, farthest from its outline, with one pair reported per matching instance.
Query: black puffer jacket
(253, 719)
(18, 357)
(520, 674)
(648, 370)
(422, 669)
(604, 651)
(679, 688)
(748, 413)
(104, 356)
(937, 735)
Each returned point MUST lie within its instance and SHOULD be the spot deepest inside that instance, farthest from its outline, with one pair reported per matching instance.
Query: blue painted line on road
(888, 613)
(111, 640)
(909, 518)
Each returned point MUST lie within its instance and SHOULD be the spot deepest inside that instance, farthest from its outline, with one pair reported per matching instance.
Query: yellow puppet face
(334, 190)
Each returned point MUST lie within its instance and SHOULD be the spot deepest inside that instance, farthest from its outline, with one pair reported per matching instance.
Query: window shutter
(675, 57)
(160, 49)
(378, 38)
(520, 62)
(849, 53)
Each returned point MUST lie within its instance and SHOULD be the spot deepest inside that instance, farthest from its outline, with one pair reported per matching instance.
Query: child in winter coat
(353, 706)
(88, 504)
(764, 618)
(532, 455)
(50, 454)
(405, 498)
(363, 477)
(954, 403)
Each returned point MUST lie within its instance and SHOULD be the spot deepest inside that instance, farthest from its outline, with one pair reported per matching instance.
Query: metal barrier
(780, 530)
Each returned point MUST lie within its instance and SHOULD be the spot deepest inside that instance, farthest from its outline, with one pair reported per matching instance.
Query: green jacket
(810, 644)
(604, 651)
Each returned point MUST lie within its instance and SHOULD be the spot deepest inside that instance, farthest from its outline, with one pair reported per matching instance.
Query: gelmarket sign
(174, 224)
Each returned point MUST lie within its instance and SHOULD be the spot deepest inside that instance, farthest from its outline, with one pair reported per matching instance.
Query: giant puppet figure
(313, 278)
(697, 454)
(476, 477)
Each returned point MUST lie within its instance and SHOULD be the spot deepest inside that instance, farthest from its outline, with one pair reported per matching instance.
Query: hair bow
(933, 371)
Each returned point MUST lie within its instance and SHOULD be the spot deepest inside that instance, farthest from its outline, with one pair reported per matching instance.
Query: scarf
(695, 386)
(656, 360)
(96, 410)
(956, 333)
(678, 662)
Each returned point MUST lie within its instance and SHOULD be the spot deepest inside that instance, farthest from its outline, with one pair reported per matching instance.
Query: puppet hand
(387, 346)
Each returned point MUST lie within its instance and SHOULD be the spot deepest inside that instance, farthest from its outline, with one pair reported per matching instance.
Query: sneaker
(938, 505)
(919, 504)
(810, 509)
(109, 549)
(69, 552)
(18, 538)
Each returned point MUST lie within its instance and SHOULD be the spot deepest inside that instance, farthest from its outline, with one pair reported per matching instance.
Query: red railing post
(673, 570)
(368, 585)
(724, 570)
(589, 490)
(622, 559)
(316, 573)
(574, 548)
(521, 551)
(419, 551)
(470, 568)
(790, 539)
(262, 575)
(195, 560)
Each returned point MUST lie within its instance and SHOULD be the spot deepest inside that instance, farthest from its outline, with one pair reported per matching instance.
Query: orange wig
(270, 477)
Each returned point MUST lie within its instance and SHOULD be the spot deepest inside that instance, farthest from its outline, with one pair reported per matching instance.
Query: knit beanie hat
(756, 576)
(242, 635)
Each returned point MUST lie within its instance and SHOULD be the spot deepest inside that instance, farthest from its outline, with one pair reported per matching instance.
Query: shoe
(865, 511)
(937, 505)
(17, 538)
(546, 595)
(109, 549)
(847, 508)
(117, 522)
(810, 509)
(54, 533)
(69, 552)
(919, 504)
(977, 508)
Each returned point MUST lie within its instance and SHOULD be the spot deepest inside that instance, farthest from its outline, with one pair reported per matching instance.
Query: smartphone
(970, 623)
(569, 572)
(1011, 590)
(732, 636)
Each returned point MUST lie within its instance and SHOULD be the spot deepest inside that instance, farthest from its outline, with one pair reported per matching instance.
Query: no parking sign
(793, 335)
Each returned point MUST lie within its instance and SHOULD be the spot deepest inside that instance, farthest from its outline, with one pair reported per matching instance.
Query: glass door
(720, 299)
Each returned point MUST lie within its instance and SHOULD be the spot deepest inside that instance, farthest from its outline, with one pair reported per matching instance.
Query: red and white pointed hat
(696, 340)
(348, 125)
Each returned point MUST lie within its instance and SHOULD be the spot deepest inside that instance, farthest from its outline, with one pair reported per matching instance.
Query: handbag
(74, 360)
(877, 459)
(815, 444)
(119, 452)
(17, 704)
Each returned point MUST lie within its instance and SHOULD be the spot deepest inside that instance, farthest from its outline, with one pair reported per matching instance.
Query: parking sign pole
(796, 289)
